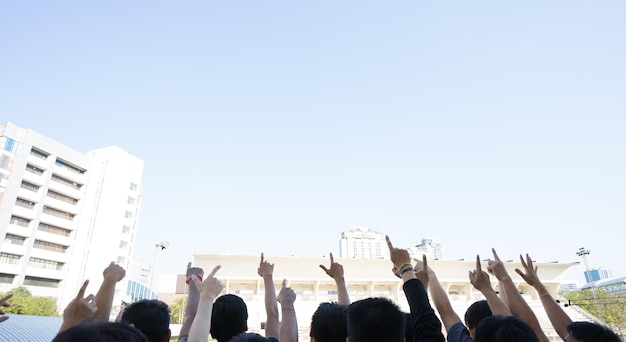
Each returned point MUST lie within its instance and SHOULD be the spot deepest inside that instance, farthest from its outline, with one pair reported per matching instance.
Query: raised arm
(289, 324)
(193, 298)
(480, 280)
(79, 309)
(559, 319)
(208, 289)
(440, 297)
(272, 324)
(3, 303)
(104, 297)
(426, 325)
(336, 272)
(515, 301)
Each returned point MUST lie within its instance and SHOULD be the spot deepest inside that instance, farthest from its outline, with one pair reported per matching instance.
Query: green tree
(611, 306)
(24, 303)
(177, 310)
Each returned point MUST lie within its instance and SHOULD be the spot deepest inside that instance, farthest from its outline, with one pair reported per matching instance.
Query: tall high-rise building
(363, 244)
(598, 273)
(64, 215)
(429, 247)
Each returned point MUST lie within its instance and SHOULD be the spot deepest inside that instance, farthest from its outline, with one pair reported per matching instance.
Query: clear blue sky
(272, 126)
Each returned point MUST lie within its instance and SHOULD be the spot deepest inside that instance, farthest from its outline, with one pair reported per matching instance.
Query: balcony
(40, 163)
(50, 255)
(12, 268)
(57, 221)
(34, 178)
(61, 205)
(70, 175)
(13, 249)
(44, 273)
(54, 238)
(33, 196)
(24, 212)
(65, 189)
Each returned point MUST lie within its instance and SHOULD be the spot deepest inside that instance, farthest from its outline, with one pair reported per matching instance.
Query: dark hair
(328, 323)
(375, 319)
(229, 317)
(504, 329)
(101, 331)
(151, 316)
(476, 312)
(248, 337)
(591, 332)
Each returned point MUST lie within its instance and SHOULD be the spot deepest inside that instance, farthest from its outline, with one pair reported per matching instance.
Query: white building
(363, 244)
(429, 247)
(64, 215)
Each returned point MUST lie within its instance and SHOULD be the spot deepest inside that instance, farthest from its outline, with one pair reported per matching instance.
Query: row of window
(48, 246)
(39, 154)
(34, 169)
(31, 281)
(14, 239)
(24, 203)
(29, 186)
(58, 213)
(19, 221)
(61, 197)
(67, 166)
(44, 227)
(14, 259)
(5, 162)
(66, 182)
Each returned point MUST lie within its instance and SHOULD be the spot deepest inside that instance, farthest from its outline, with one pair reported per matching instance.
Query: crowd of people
(500, 317)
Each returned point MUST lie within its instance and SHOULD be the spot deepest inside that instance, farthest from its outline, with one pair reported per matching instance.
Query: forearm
(289, 325)
(442, 302)
(190, 310)
(272, 324)
(520, 308)
(558, 318)
(104, 299)
(426, 326)
(201, 325)
(496, 305)
(342, 292)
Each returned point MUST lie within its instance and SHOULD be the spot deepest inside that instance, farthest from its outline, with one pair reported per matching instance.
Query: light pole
(582, 252)
(163, 244)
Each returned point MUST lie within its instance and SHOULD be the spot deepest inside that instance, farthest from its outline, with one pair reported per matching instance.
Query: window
(61, 197)
(6, 258)
(24, 203)
(66, 181)
(8, 144)
(131, 200)
(14, 239)
(19, 221)
(123, 244)
(65, 165)
(29, 186)
(121, 260)
(58, 213)
(46, 264)
(4, 161)
(125, 229)
(43, 282)
(128, 214)
(39, 154)
(6, 278)
(48, 246)
(33, 169)
(133, 186)
(48, 228)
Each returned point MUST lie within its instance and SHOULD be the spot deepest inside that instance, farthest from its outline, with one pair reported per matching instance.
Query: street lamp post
(163, 245)
(582, 252)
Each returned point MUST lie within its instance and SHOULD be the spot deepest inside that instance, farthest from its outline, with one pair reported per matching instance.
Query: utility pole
(582, 252)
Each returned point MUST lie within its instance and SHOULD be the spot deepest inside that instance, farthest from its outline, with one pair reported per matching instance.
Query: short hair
(229, 317)
(101, 331)
(151, 316)
(375, 319)
(249, 337)
(328, 323)
(476, 312)
(504, 329)
(588, 332)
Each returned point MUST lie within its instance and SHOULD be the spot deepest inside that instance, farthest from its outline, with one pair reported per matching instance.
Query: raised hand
(286, 296)
(530, 274)
(210, 287)
(114, 272)
(265, 268)
(3, 302)
(197, 271)
(479, 278)
(79, 309)
(336, 269)
(422, 270)
(496, 267)
(399, 257)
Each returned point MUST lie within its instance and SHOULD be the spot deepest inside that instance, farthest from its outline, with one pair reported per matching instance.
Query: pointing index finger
(478, 267)
(425, 262)
(495, 255)
(332, 260)
(189, 265)
(388, 242)
(214, 271)
(284, 283)
(81, 292)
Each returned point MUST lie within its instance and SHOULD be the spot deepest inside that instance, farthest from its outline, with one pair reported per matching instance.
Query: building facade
(363, 243)
(596, 274)
(64, 215)
(429, 247)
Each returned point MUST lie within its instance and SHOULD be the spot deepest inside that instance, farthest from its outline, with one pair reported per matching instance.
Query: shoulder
(459, 333)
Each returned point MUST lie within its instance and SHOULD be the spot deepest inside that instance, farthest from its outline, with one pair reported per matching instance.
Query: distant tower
(429, 247)
(363, 243)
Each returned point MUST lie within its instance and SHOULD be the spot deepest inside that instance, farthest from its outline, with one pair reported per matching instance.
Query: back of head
(151, 316)
(328, 323)
(476, 312)
(588, 332)
(504, 329)
(249, 337)
(375, 319)
(101, 331)
(229, 317)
